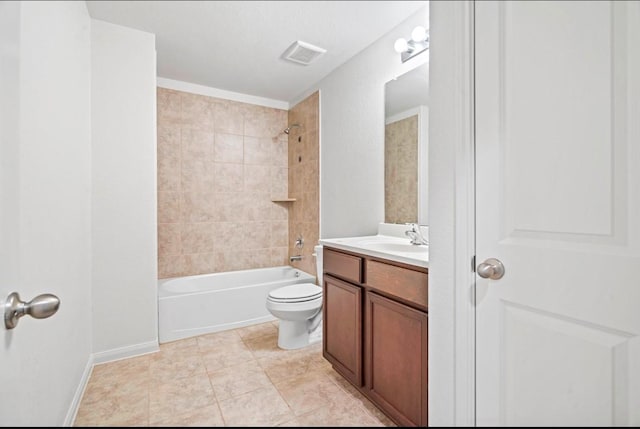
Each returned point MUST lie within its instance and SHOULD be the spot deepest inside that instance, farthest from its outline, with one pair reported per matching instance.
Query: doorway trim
(452, 217)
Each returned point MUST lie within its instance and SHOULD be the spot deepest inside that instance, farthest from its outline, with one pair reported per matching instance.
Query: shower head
(288, 129)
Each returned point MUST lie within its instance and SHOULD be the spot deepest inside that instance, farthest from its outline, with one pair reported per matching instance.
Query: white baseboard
(125, 352)
(103, 357)
(77, 397)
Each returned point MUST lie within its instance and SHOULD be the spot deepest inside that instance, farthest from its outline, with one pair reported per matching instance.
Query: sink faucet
(415, 234)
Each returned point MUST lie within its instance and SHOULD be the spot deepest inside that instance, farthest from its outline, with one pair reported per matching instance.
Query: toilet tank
(318, 253)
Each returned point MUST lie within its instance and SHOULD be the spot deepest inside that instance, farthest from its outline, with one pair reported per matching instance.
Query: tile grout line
(357, 402)
(271, 379)
(213, 390)
(255, 359)
(245, 341)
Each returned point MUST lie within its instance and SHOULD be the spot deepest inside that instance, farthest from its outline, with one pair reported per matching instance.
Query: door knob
(40, 307)
(491, 268)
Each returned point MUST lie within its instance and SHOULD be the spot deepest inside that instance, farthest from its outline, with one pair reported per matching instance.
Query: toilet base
(295, 335)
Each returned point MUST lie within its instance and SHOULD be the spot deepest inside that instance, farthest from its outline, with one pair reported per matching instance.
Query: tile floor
(231, 378)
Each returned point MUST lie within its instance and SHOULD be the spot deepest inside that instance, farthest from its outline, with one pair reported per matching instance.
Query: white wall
(125, 319)
(352, 134)
(46, 180)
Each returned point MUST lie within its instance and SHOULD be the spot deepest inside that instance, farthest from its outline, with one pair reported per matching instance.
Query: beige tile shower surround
(230, 378)
(220, 163)
(401, 171)
(304, 151)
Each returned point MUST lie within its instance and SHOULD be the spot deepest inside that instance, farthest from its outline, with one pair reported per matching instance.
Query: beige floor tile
(115, 410)
(313, 350)
(205, 416)
(374, 411)
(257, 331)
(337, 414)
(290, 365)
(382, 419)
(321, 363)
(175, 364)
(262, 407)
(179, 344)
(290, 423)
(310, 391)
(225, 356)
(238, 379)
(179, 397)
(212, 342)
(178, 386)
(354, 395)
(119, 377)
(116, 386)
(94, 421)
(130, 366)
(338, 379)
(266, 347)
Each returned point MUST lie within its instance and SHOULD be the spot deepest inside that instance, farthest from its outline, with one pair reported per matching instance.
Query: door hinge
(473, 264)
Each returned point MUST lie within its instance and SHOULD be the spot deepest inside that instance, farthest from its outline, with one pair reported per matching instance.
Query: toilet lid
(297, 292)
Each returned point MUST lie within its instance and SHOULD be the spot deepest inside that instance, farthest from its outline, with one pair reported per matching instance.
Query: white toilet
(299, 308)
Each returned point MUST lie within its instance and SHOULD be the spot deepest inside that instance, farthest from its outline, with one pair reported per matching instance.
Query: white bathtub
(196, 305)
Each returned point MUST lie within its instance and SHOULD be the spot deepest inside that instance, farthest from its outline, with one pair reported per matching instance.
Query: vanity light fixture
(419, 43)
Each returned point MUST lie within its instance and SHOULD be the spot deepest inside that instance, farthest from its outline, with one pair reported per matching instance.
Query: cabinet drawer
(401, 282)
(342, 265)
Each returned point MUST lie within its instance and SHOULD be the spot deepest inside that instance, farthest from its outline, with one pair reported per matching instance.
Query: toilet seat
(300, 292)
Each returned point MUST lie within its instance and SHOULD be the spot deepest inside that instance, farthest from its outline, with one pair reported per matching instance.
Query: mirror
(405, 147)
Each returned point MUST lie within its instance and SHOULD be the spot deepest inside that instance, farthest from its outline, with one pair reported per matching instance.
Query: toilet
(299, 308)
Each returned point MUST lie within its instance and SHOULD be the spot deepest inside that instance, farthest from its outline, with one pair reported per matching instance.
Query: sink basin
(397, 247)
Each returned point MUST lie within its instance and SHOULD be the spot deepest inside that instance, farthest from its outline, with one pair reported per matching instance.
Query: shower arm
(288, 129)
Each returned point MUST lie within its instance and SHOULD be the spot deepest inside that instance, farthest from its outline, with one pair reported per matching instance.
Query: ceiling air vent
(303, 53)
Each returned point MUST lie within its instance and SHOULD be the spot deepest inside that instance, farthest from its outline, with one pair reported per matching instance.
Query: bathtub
(195, 305)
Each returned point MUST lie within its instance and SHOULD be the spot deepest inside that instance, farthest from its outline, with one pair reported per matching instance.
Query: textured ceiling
(237, 45)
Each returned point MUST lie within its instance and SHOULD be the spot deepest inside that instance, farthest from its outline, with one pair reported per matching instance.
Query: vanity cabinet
(375, 330)
(395, 347)
(342, 320)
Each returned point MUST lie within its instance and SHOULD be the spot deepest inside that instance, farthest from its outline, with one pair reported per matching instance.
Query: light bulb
(419, 34)
(400, 45)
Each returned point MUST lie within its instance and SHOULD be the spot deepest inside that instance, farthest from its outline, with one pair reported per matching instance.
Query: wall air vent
(303, 53)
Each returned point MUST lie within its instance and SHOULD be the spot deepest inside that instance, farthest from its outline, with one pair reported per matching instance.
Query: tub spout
(295, 258)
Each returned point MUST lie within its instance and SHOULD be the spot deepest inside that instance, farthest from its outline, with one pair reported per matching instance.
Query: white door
(10, 356)
(558, 202)
(45, 207)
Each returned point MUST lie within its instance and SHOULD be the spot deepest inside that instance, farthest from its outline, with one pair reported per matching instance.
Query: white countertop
(383, 246)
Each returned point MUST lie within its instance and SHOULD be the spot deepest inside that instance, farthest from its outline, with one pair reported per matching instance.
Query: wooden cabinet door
(396, 359)
(342, 323)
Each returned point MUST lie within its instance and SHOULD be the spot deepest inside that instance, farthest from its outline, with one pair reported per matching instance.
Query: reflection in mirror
(405, 148)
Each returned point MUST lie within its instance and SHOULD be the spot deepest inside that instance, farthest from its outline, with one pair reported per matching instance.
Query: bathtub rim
(163, 293)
